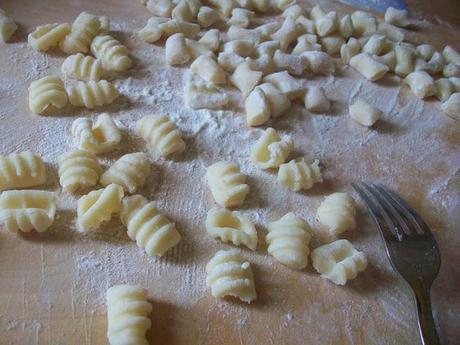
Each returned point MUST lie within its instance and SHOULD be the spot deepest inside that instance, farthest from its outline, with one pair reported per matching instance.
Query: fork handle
(426, 324)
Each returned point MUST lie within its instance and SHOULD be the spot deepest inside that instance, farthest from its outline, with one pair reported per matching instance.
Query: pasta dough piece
(425, 51)
(82, 67)
(186, 10)
(298, 174)
(231, 226)
(161, 134)
(444, 89)
(389, 59)
(21, 170)
(208, 16)
(241, 17)
(350, 49)
(92, 94)
(294, 11)
(316, 101)
(84, 29)
(368, 67)
(129, 171)
(77, 170)
(237, 33)
(451, 70)
(224, 6)
(45, 93)
(288, 239)
(456, 83)
(208, 69)
(270, 150)
(161, 8)
(452, 106)
(111, 52)
(405, 60)
(257, 108)
(363, 113)
(375, 44)
(294, 64)
(346, 27)
(176, 51)
(338, 261)
(278, 102)
(318, 62)
(306, 25)
(47, 36)
(229, 274)
(397, 17)
(337, 213)
(305, 43)
(211, 40)
(152, 231)
(230, 61)
(7, 27)
(364, 24)
(98, 137)
(200, 94)
(245, 79)
(287, 84)
(98, 206)
(151, 32)
(127, 315)
(243, 48)
(421, 84)
(104, 24)
(391, 32)
(228, 186)
(191, 30)
(325, 24)
(451, 55)
(27, 210)
(332, 44)
(286, 34)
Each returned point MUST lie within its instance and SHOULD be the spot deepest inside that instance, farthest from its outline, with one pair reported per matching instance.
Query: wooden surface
(52, 285)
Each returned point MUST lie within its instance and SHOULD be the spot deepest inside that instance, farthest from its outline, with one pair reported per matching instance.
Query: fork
(410, 247)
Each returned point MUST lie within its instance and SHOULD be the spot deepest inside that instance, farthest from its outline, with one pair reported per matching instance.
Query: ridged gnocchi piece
(337, 213)
(21, 170)
(47, 36)
(92, 94)
(288, 239)
(298, 174)
(84, 29)
(78, 170)
(231, 226)
(129, 171)
(228, 186)
(111, 52)
(82, 67)
(338, 261)
(229, 274)
(45, 93)
(127, 315)
(152, 231)
(96, 137)
(27, 210)
(161, 134)
(98, 206)
(271, 150)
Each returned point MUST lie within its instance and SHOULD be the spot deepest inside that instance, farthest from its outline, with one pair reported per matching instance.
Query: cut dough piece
(316, 101)
(452, 106)
(176, 51)
(245, 79)
(278, 102)
(350, 49)
(444, 89)
(421, 84)
(151, 31)
(208, 69)
(211, 39)
(397, 17)
(229, 61)
(286, 33)
(391, 32)
(241, 17)
(243, 48)
(319, 62)
(368, 67)
(208, 16)
(305, 43)
(290, 86)
(364, 23)
(405, 59)
(331, 44)
(294, 64)
(451, 55)
(237, 33)
(257, 108)
(346, 27)
(425, 51)
(7, 27)
(363, 113)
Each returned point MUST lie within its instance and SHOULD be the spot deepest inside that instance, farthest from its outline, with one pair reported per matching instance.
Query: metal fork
(410, 246)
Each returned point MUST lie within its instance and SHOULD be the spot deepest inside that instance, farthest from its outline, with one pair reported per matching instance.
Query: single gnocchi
(46, 93)
(78, 170)
(111, 52)
(47, 36)
(21, 170)
(7, 27)
(231, 226)
(84, 29)
(299, 174)
(337, 213)
(271, 150)
(363, 113)
(82, 67)
(92, 94)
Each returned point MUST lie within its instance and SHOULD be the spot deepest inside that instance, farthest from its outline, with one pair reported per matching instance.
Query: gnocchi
(21, 170)
(363, 113)
(111, 52)
(92, 94)
(84, 29)
(47, 36)
(7, 27)
(298, 174)
(271, 150)
(337, 213)
(82, 67)
(77, 170)
(421, 84)
(46, 93)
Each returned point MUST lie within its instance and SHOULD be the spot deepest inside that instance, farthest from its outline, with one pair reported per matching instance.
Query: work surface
(52, 285)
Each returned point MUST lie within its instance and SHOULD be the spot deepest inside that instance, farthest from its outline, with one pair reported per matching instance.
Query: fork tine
(407, 210)
(382, 221)
(399, 220)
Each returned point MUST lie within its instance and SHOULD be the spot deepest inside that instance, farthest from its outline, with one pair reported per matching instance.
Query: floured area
(54, 284)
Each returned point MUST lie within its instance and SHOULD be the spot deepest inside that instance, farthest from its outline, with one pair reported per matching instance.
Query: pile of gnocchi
(225, 43)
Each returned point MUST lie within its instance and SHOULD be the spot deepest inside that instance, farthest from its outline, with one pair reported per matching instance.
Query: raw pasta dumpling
(338, 261)
(82, 67)
(27, 210)
(45, 93)
(228, 186)
(112, 53)
(98, 206)
(100, 136)
(161, 134)
(229, 274)
(84, 29)
(363, 113)
(92, 94)
(147, 226)
(231, 226)
(127, 315)
(47, 36)
(21, 170)
(129, 171)
(298, 174)
(337, 213)
(271, 150)
(7, 27)
(288, 239)
(78, 169)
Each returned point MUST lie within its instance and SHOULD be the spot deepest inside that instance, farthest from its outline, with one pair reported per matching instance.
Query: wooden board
(52, 285)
